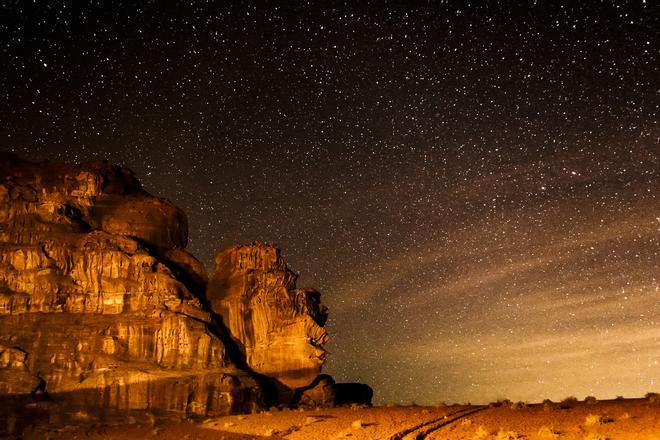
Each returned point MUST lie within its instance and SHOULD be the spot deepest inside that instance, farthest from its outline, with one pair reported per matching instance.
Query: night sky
(475, 190)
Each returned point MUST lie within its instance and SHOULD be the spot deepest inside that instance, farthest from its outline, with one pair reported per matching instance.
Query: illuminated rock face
(278, 327)
(93, 302)
(101, 306)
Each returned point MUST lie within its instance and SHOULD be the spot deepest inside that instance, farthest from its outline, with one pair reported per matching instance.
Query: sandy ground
(614, 420)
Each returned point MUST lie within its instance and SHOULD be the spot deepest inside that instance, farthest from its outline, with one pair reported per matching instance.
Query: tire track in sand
(420, 431)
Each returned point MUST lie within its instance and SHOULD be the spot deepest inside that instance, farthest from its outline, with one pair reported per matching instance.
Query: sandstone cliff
(95, 296)
(102, 307)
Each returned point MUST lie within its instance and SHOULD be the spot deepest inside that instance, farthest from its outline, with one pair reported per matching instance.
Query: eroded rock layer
(102, 307)
(278, 327)
(98, 299)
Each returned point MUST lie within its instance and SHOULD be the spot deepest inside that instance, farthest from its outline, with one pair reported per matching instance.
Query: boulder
(320, 393)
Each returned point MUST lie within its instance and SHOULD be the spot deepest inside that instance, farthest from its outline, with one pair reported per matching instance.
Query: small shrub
(568, 402)
(546, 432)
(653, 397)
(518, 405)
(590, 400)
(499, 402)
(481, 433)
(549, 405)
(620, 397)
(507, 435)
(595, 420)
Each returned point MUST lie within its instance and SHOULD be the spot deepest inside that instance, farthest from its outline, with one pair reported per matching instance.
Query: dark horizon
(473, 189)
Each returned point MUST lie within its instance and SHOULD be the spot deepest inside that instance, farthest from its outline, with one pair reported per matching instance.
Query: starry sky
(474, 188)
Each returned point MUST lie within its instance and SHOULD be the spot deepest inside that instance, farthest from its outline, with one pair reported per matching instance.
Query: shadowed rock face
(278, 327)
(98, 300)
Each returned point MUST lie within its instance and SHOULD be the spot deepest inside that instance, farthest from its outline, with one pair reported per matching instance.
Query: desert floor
(614, 419)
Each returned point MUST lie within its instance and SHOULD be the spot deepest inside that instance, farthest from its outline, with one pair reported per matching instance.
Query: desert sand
(628, 419)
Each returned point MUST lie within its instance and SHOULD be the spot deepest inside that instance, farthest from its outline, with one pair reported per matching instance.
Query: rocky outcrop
(325, 392)
(102, 307)
(98, 300)
(352, 393)
(321, 392)
(278, 327)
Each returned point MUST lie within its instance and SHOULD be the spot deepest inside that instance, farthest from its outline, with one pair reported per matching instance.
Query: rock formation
(94, 303)
(101, 306)
(278, 327)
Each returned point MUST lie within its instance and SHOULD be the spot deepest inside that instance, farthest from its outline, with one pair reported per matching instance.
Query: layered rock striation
(278, 327)
(95, 296)
(101, 306)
